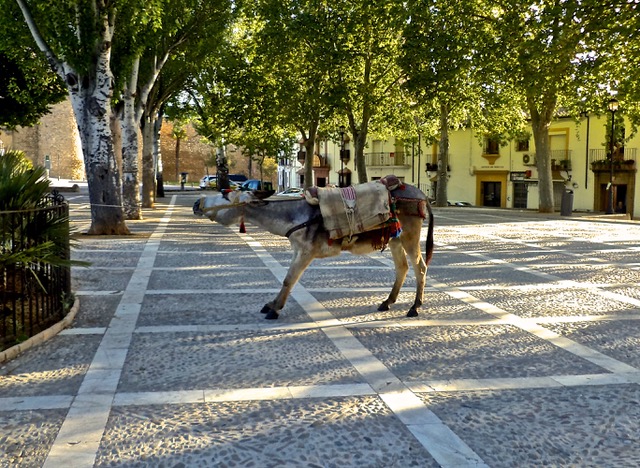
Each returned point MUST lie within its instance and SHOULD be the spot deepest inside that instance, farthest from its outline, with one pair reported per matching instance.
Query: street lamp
(344, 156)
(613, 107)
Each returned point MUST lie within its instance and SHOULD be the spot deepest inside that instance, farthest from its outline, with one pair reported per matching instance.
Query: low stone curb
(44, 335)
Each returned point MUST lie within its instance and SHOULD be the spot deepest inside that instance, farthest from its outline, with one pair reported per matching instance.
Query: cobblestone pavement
(525, 354)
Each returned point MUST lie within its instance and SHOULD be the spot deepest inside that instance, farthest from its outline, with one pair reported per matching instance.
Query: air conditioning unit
(528, 160)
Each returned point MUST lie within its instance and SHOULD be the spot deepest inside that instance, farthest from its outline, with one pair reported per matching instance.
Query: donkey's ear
(262, 194)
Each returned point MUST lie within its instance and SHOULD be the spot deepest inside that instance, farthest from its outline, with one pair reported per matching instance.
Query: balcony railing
(623, 154)
(386, 159)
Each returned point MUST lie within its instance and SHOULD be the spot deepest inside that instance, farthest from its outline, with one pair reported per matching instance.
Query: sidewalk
(169, 362)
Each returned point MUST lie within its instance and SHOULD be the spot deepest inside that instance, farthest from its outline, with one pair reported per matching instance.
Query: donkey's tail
(429, 242)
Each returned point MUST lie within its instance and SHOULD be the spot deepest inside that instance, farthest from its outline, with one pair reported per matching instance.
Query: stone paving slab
(619, 339)
(358, 307)
(98, 280)
(27, 436)
(56, 367)
(632, 291)
(355, 278)
(594, 274)
(224, 308)
(496, 276)
(480, 352)
(203, 244)
(99, 259)
(234, 359)
(179, 259)
(339, 432)
(135, 242)
(577, 426)
(553, 302)
(213, 279)
(96, 311)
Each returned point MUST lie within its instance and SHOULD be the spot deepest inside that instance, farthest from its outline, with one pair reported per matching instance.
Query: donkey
(302, 224)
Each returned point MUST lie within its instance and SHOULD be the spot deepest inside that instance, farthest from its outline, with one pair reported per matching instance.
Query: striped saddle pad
(351, 210)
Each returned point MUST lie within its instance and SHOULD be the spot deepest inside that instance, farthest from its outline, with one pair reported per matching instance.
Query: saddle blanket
(351, 210)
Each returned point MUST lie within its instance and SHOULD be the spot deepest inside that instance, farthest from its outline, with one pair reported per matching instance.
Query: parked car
(237, 178)
(255, 184)
(295, 192)
(209, 182)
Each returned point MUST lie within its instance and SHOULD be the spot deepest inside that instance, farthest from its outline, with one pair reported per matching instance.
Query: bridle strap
(314, 220)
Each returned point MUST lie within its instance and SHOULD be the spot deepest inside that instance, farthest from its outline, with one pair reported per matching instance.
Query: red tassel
(242, 228)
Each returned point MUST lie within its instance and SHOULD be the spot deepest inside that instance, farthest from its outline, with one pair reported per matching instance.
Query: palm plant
(37, 236)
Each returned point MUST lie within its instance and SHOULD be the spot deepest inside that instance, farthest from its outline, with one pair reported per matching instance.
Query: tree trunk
(158, 155)
(91, 101)
(359, 142)
(178, 139)
(543, 163)
(130, 149)
(443, 157)
(310, 145)
(148, 169)
(103, 177)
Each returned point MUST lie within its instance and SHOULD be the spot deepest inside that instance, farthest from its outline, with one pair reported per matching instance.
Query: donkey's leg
(420, 270)
(299, 263)
(402, 267)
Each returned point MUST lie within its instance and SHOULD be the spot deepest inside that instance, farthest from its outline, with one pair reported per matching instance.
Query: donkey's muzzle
(196, 209)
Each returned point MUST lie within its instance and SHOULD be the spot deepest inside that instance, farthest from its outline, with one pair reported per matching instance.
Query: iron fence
(35, 281)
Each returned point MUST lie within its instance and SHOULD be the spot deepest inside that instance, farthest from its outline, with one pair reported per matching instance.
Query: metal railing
(385, 159)
(622, 154)
(34, 294)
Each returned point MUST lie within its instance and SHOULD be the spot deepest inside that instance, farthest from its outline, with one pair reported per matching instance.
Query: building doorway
(619, 198)
(491, 193)
(520, 195)
(491, 188)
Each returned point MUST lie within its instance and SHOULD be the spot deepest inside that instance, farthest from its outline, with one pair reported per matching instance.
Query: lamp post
(344, 156)
(613, 107)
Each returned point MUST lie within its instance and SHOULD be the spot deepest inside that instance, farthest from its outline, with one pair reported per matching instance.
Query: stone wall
(57, 137)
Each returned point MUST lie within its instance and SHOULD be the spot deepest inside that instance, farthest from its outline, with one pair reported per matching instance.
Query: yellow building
(483, 173)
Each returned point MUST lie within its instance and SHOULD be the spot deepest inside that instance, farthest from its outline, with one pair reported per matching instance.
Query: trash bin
(183, 179)
(566, 205)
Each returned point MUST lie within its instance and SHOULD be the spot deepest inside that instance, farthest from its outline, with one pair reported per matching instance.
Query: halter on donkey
(306, 228)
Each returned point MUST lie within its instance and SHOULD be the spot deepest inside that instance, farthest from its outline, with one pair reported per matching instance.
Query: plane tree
(365, 37)
(552, 53)
(76, 39)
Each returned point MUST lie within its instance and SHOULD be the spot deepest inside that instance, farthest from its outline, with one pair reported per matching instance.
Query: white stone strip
(35, 403)
(440, 441)
(98, 293)
(78, 440)
(323, 391)
(608, 363)
(522, 383)
(102, 268)
(84, 331)
(160, 292)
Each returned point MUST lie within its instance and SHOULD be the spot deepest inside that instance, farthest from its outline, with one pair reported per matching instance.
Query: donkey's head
(227, 207)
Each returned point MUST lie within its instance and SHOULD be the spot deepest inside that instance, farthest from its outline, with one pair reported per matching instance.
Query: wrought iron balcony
(622, 157)
(386, 159)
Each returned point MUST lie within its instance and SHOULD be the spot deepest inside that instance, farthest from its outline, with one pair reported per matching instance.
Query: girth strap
(314, 220)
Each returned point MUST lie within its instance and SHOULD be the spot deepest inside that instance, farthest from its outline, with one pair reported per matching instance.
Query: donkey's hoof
(412, 312)
(271, 315)
(382, 307)
(266, 309)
